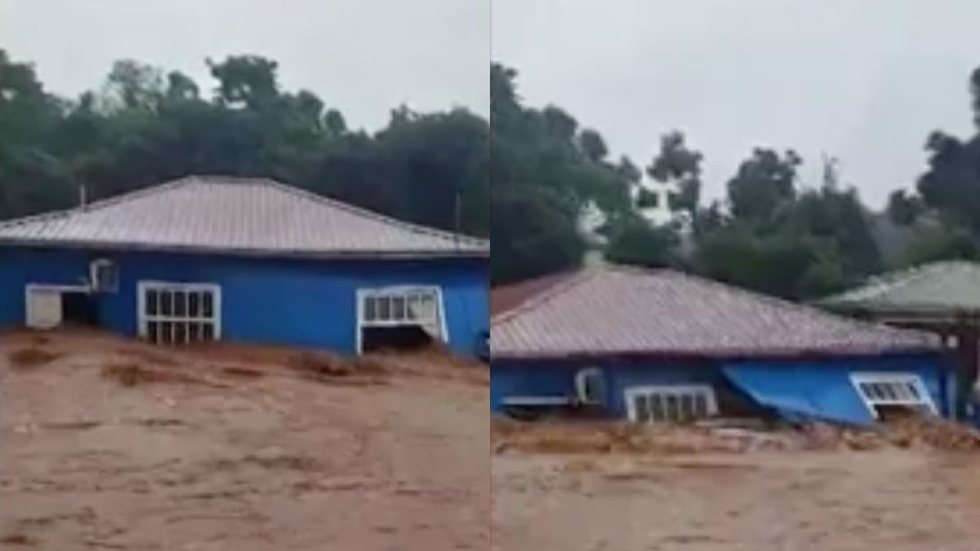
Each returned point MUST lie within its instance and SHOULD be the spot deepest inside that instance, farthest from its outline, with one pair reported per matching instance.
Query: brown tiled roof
(616, 311)
(240, 216)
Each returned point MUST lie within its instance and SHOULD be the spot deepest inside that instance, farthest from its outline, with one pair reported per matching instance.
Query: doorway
(78, 309)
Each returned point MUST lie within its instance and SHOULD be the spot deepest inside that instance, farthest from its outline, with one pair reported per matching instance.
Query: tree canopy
(144, 126)
(770, 231)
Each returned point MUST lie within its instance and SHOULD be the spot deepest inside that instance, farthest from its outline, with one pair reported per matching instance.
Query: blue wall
(275, 301)
(554, 379)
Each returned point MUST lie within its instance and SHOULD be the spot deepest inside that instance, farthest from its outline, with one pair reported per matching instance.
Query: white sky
(362, 56)
(864, 80)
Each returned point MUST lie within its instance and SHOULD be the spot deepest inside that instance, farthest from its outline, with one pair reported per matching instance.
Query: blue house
(249, 260)
(655, 346)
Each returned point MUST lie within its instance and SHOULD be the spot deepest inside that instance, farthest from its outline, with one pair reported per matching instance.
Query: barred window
(670, 403)
(179, 313)
(402, 306)
(889, 390)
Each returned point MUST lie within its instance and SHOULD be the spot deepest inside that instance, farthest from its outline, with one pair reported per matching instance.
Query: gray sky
(362, 56)
(864, 80)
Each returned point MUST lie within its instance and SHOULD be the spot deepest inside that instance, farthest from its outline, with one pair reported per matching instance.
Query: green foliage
(943, 217)
(930, 240)
(545, 170)
(680, 166)
(633, 240)
(782, 241)
(145, 126)
(783, 264)
(763, 184)
(533, 233)
(903, 209)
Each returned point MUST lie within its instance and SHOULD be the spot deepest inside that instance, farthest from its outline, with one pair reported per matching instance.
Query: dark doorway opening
(79, 309)
(401, 337)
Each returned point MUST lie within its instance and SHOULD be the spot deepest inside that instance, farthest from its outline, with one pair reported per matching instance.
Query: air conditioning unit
(590, 386)
(104, 276)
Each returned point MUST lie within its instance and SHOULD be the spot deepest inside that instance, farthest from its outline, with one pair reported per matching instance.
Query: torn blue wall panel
(823, 390)
(800, 391)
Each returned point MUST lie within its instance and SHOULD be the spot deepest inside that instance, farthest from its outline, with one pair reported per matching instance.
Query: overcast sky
(362, 56)
(864, 80)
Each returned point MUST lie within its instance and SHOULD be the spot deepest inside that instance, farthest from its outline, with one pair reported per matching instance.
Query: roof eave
(918, 312)
(250, 252)
(727, 354)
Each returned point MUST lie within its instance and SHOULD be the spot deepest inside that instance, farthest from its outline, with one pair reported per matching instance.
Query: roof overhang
(920, 314)
(718, 355)
(247, 252)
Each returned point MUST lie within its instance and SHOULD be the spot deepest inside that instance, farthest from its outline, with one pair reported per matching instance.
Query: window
(889, 390)
(104, 275)
(393, 307)
(590, 386)
(670, 403)
(179, 313)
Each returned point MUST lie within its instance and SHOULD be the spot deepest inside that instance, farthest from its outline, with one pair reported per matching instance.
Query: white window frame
(892, 378)
(706, 391)
(396, 290)
(144, 318)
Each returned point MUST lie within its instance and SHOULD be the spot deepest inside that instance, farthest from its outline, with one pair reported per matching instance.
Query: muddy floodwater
(894, 500)
(111, 444)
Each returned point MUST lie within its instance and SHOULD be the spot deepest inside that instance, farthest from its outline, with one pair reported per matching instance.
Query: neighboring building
(662, 345)
(941, 297)
(251, 260)
(652, 200)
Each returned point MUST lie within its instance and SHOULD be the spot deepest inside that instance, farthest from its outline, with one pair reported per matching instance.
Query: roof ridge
(787, 304)
(776, 302)
(360, 211)
(231, 180)
(575, 278)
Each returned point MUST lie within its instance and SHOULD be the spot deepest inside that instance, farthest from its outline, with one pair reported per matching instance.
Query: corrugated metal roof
(239, 216)
(624, 311)
(937, 288)
(507, 297)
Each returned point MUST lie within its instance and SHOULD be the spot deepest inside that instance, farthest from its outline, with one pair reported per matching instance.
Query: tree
(764, 183)
(545, 168)
(136, 85)
(777, 239)
(142, 128)
(680, 167)
(904, 208)
(592, 145)
(32, 176)
(537, 236)
(245, 80)
(633, 240)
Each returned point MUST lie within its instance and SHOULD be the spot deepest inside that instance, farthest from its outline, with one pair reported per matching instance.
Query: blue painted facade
(823, 386)
(264, 300)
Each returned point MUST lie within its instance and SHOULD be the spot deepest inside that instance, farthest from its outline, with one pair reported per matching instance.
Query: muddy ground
(110, 444)
(773, 497)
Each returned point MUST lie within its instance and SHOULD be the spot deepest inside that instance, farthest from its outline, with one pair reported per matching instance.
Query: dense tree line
(768, 233)
(145, 126)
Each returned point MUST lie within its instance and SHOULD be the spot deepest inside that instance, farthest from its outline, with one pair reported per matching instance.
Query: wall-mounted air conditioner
(104, 276)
